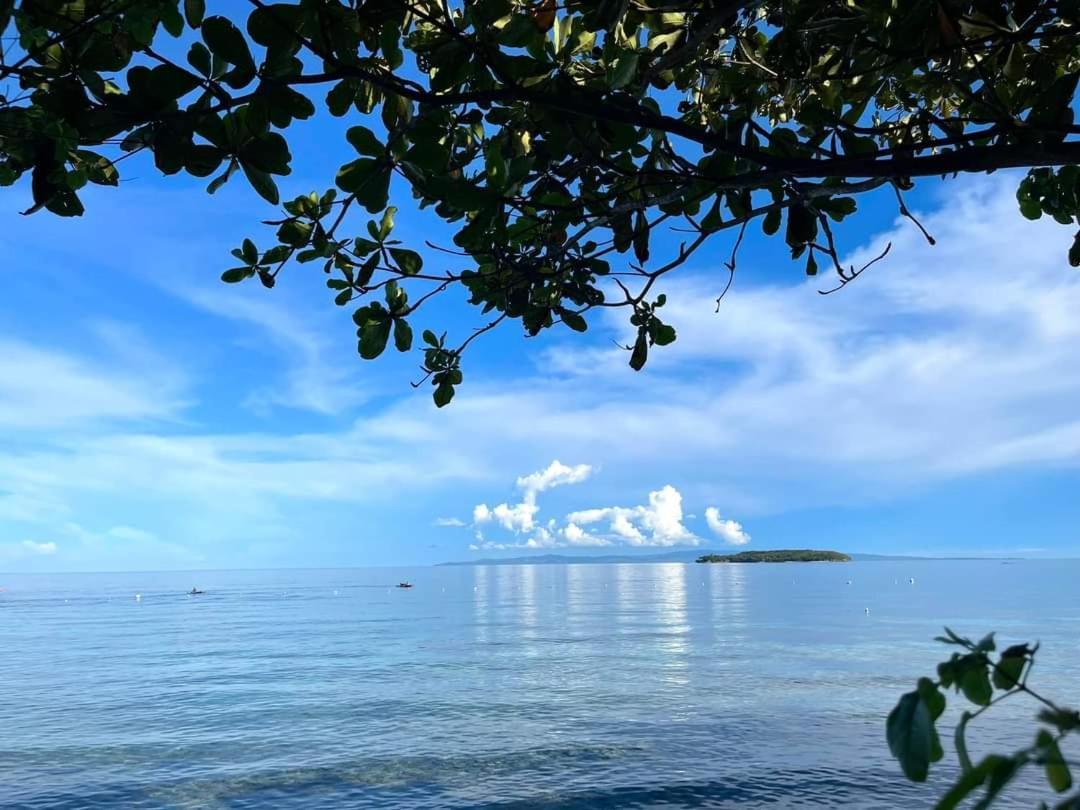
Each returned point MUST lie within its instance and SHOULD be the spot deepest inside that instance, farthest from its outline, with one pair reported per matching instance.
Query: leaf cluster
(984, 680)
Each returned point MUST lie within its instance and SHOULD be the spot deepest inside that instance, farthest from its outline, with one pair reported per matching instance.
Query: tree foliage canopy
(557, 138)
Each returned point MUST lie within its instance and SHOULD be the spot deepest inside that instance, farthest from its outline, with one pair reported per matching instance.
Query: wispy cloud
(46, 549)
(449, 522)
(314, 379)
(49, 390)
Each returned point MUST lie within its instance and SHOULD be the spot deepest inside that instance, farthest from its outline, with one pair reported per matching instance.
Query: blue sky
(152, 417)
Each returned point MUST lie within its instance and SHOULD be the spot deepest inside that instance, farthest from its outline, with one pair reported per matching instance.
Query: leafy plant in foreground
(984, 682)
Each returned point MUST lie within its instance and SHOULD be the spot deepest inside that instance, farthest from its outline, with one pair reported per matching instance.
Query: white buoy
(912, 580)
(138, 597)
(849, 582)
(867, 610)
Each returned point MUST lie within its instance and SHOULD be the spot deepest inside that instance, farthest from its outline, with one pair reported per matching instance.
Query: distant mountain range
(681, 555)
(684, 555)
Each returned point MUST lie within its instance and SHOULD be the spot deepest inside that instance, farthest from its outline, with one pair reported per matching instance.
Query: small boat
(404, 584)
(195, 592)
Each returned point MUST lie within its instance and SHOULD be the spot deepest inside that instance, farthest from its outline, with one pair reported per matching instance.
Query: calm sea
(606, 686)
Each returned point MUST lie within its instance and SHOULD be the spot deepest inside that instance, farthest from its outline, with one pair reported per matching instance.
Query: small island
(779, 555)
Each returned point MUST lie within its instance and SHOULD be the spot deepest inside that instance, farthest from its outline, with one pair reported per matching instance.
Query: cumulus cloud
(730, 531)
(520, 518)
(556, 474)
(44, 549)
(577, 536)
(449, 522)
(657, 523)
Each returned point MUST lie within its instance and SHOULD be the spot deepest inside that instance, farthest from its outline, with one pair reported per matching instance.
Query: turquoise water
(607, 686)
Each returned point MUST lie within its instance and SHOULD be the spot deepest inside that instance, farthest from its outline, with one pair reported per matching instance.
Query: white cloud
(729, 531)
(520, 518)
(577, 536)
(556, 474)
(658, 523)
(312, 380)
(661, 518)
(450, 522)
(45, 549)
(43, 389)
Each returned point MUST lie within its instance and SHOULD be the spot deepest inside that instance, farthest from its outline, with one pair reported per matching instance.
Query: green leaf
(1010, 667)
(665, 335)
(430, 339)
(1030, 208)
(237, 274)
(278, 253)
(402, 335)
(340, 97)
(975, 684)
(771, 223)
(640, 352)
(202, 160)
(226, 42)
(641, 237)
(623, 70)
(363, 247)
(172, 21)
(275, 25)
(369, 180)
(194, 10)
(1062, 719)
(294, 232)
(222, 179)
(249, 252)
(408, 261)
(1074, 251)
(363, 140)
(444, 392)
(931, 695)
(910, 734)
(386, 225)
(262, 182)
(1057, 770)
(373, 337)
(802, 225)
(99, 169)
(573, 320)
